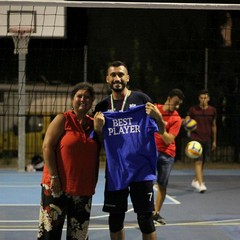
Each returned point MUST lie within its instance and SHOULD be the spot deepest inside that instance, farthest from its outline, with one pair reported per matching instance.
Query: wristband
(54, 177)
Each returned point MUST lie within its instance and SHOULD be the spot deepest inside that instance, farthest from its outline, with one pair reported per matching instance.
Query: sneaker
(202, 188)
(158, 219)
(195, 184)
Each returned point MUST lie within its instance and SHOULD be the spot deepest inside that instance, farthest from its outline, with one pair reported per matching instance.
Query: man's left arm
(214, 134)
(153, 112)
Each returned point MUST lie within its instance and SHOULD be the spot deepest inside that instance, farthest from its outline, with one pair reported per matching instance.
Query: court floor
(214, 215)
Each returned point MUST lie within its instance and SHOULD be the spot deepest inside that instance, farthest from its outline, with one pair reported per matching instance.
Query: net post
(21, 37)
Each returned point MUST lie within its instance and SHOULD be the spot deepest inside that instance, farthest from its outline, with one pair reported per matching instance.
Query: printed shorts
(54, 210)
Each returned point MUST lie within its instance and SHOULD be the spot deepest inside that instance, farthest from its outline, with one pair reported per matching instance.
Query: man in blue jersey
(140, 188)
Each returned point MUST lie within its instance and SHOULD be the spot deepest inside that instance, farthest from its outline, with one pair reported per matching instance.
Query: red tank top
(77, 158)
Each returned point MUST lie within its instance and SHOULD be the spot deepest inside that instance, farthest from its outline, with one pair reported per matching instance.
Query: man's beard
(118, 89)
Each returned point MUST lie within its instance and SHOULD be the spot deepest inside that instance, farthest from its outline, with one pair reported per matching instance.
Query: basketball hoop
(21, 37)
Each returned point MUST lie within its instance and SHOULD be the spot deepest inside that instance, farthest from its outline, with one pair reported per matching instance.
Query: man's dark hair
(117, 64)
(176, 92)
(203, 91)
(84, 86)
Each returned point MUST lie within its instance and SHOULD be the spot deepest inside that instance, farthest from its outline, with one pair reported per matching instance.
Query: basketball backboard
(45, 21)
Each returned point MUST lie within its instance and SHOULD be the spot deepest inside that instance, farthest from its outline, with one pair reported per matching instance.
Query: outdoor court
(214, 215)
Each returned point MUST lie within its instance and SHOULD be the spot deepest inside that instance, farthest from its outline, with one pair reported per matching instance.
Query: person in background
(70, 171)
(205, 133)
(166, 147)
(141, 191)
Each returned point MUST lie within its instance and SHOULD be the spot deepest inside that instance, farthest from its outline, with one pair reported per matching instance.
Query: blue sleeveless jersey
(130, 147)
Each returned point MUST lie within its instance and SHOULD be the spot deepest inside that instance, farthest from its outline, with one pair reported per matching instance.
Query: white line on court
(106, 215)
(27, 221)
(226, 222)
(173, 200)
(17, 221)
(22, 186)
(19, 205)
(214, 223)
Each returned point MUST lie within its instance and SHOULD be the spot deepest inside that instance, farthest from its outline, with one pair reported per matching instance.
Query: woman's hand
(99, 122)
(55, 186)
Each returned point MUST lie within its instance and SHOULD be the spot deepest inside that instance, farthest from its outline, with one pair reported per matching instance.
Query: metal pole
(21, 116)
(206, 69)
(85, 63)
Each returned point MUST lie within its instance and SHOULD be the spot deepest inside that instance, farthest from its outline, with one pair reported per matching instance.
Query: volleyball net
(48, 46)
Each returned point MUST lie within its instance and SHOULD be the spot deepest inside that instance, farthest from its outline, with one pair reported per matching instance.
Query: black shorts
(141, 194)
(206, 146)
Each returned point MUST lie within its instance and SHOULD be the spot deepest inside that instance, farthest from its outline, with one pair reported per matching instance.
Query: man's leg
(116, 226)
(116, 202)
(164, 167)
(120, 235)
(146, 225)
(160, 197)
(199, 172)
(150, 236)
(199, 177)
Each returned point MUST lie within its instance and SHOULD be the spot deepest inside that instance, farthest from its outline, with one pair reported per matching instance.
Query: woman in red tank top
(70, 172)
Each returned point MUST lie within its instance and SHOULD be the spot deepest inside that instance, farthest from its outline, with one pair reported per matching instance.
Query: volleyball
(190, 125)
(193, 149)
